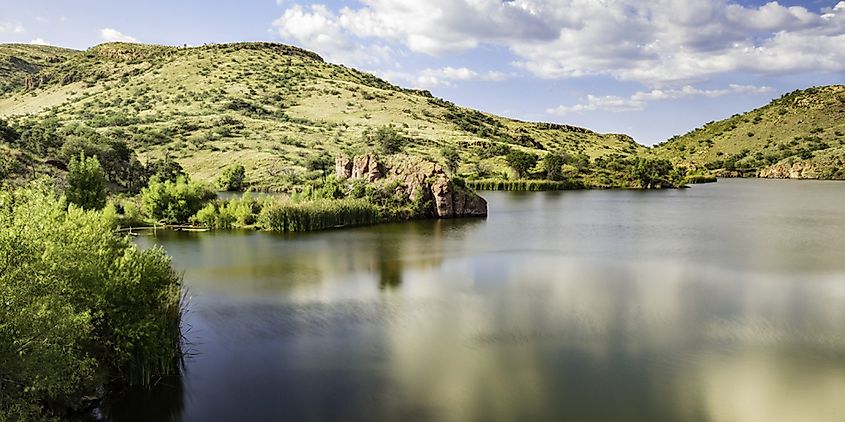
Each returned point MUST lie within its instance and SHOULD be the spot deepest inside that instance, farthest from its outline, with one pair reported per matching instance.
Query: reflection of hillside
(313, 263)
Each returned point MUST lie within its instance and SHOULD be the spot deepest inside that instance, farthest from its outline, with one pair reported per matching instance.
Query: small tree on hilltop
(86, 183)
(521, 162)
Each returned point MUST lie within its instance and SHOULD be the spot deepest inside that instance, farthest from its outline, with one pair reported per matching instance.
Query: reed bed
(320, 214)
(523, 185)
(700, 178)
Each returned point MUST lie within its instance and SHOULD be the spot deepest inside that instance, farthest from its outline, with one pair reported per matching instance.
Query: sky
(650, 69)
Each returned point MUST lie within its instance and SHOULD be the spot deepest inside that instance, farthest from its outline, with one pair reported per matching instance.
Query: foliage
(523, 185)
(79, 306)
(653, 172)
(174, 201)
(165, 169)
(286, 216)
(319, 162)
(387, 139)
(521, 161)
(232, 179)
(452, 158)
(553, 166)
(86, 183)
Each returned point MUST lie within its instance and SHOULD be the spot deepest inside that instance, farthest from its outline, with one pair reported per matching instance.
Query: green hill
(273, 108)
(799, 135)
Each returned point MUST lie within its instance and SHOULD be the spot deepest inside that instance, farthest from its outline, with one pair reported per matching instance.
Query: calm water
(723, 302)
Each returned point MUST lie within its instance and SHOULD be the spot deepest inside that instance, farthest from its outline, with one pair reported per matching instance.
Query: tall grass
(523, 185)
(320, 214)
(700, 178)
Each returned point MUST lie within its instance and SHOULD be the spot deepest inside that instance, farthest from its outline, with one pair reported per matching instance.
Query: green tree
(232, 179)
(86, 183)
(388, 140)
(80, 306)
(174, 201)
(552, 166)
(451, 157)
(652, 172)
(521, 162)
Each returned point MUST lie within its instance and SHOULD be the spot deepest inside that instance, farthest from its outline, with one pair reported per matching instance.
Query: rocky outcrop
(417, 178)
(799, 170)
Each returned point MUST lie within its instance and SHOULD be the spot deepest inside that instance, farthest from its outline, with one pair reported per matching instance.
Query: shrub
(232, 179)
(80, 306)
(86, 183)
(452, 158)
(174, 201)
(388, 140)
(521, 162)
(552, 165)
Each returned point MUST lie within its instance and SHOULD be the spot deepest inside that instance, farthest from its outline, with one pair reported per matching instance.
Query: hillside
(273, 108)
(799, 135)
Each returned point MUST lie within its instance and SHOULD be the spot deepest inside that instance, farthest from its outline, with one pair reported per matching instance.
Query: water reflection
(718, 303)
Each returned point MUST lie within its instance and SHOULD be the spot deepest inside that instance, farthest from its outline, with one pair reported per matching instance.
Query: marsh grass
(523, 185)
(319, 214)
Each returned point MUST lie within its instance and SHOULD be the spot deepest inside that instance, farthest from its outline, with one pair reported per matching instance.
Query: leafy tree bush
(86, 183)
(174, 201)
(232, 179)
(165, 169)
(319, 162)
(552, 165)
(452, 158)
(651, 172)
(521, 162)
(80, 306)
(388, 140)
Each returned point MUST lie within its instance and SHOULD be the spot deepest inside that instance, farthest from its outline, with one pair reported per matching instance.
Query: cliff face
(799, 170)
(416, 176)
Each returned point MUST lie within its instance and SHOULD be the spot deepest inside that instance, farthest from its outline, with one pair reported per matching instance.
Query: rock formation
(417, 177)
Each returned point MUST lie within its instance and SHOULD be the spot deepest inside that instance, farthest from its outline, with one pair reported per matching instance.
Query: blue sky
(651, 69)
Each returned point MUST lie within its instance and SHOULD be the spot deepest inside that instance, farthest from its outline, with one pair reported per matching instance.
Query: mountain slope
(800, 135)
(268, 106)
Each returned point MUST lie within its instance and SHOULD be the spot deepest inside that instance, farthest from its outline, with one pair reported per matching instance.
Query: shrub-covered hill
(273, 108)
(799, 135)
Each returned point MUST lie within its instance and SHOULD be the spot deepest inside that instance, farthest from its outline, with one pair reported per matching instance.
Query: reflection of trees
(163, 403)
(419, 245)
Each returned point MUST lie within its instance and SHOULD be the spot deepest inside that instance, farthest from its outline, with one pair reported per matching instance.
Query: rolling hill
(799, 135)
(267, 106)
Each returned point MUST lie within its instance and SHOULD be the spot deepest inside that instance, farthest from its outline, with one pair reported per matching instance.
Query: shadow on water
(134, 404)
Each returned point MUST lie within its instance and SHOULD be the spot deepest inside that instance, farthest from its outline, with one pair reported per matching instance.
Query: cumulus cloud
(445, 76)
(11, 27)
(113, 35)
(654, 42)
(38, 41)
(319, 29)
(640, 99)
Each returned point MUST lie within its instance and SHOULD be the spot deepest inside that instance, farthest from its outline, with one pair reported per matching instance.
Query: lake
(723, 302)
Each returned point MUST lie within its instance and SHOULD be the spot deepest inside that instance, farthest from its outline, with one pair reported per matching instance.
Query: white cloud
(113, 35)
(655, 42)
(445, 76)
(11, 27)
(318, 28)
(39, 41)
(639, 100)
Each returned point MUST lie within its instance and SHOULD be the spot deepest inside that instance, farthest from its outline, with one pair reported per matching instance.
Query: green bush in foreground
(80, 306)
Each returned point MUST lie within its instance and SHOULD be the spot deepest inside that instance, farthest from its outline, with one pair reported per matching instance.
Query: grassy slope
(266, 106)
(801, 127)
